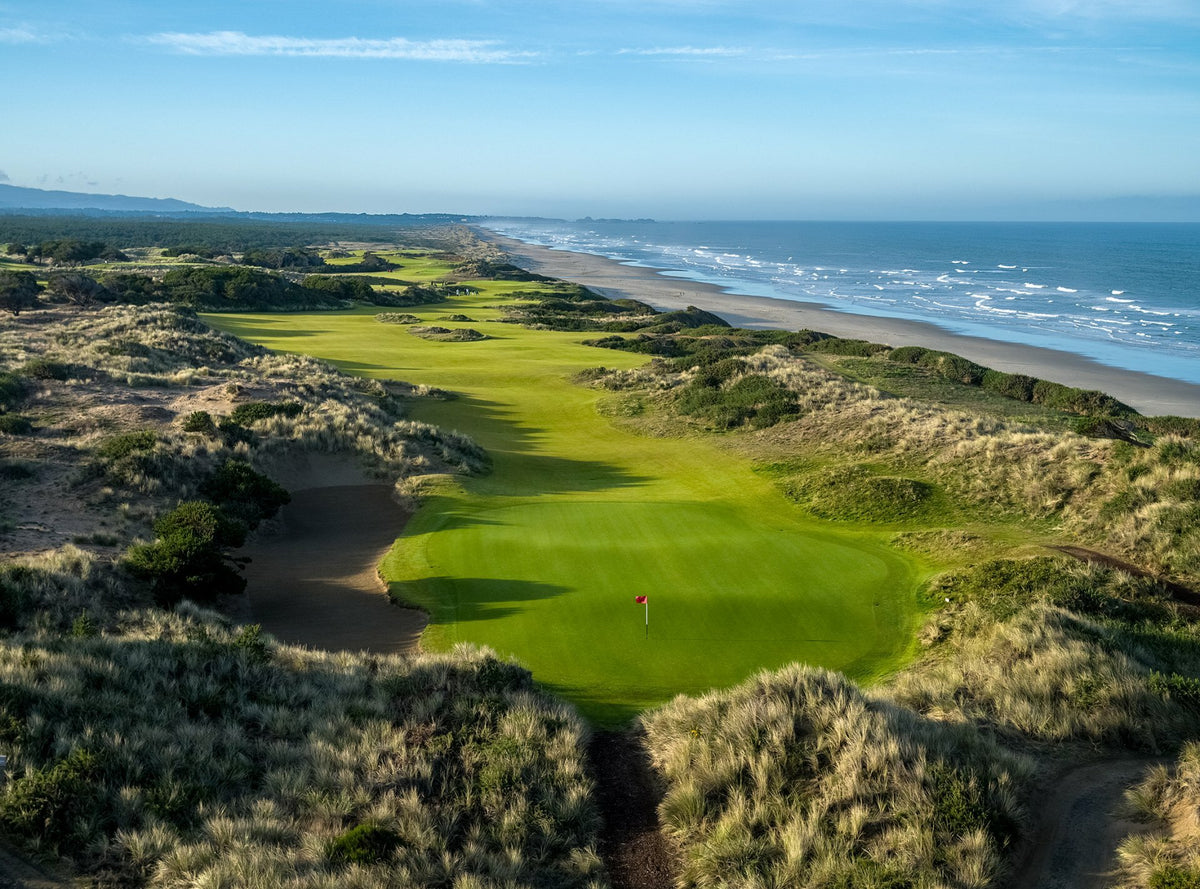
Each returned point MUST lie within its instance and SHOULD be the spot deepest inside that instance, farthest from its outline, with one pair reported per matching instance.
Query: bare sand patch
(313, 580)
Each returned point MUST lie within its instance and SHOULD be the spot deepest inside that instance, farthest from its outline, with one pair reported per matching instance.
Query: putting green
(542, 558)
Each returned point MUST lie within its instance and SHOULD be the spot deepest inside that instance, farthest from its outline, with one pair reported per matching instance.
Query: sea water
(1127, 295)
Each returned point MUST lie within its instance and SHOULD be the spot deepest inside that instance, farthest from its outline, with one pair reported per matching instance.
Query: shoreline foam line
(1148, 393)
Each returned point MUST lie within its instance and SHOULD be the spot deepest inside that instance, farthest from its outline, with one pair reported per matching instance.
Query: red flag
(641, 600)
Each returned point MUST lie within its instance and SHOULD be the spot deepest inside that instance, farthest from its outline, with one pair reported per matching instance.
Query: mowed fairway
(542, 558)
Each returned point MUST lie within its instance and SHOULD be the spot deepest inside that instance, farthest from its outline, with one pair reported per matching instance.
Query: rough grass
(1168, 858)
(174, 750)
(797, 778)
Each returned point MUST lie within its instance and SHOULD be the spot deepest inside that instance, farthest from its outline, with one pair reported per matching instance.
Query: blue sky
(814, 109)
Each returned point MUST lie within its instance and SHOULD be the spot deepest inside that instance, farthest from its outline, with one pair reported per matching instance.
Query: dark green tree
(77, 288)
(18, 291)
(188, 560)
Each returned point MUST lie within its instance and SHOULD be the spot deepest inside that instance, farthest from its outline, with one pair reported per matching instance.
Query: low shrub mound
(171, 750)
(856, 494)
(397, 318)
(726, 395)
(448, 335)
(797, 778)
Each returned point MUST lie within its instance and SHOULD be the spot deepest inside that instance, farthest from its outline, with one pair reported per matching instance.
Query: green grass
(542, 558)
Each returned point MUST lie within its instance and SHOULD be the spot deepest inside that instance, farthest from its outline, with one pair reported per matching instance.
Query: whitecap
(1006, 266)
(1034, 286)
(960, 262)
(1066, 290)
(1111, 300)
(1117, 292)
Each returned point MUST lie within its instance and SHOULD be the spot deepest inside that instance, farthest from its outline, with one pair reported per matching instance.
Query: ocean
(1127, 295)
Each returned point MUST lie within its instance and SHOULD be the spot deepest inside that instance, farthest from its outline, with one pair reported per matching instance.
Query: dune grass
(542, 558)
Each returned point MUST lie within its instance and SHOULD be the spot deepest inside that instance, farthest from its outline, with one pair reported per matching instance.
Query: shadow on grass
(450, 600)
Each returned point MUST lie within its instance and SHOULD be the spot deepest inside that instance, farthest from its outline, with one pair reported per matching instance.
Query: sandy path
(1149, 394)
(312, 578)
(635, 851)
(1074, 844)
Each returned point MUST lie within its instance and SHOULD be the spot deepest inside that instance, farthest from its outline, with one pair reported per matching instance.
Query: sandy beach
(1149, 394)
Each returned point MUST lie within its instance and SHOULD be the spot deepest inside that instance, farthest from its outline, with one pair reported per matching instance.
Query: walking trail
(1074, 842)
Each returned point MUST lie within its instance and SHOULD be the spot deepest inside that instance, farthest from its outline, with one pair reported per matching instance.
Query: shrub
(12, 389)
(14, 594)
(254, 411)
(54, 803)
(1173, 686)
(1173, 877)
(14, 424)
(1188, 427)
(907, 354)
(201, 422)
(1017, 386)
(45, 369)
(853, 348)
(119, 447)
(188, 558)
(243, 494)
(365, 844)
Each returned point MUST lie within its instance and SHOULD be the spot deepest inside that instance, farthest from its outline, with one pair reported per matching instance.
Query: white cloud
(686, 51)
(19, 35)
(236, 43)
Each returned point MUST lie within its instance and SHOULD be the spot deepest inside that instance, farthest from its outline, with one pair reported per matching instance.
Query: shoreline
(1149, 394)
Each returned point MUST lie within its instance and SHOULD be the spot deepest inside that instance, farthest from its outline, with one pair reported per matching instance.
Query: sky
(712, 109)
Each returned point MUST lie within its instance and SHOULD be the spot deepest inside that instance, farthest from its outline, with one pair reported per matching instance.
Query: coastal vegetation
(982, 576)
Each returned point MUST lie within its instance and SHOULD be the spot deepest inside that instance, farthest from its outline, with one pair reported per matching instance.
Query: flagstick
(647, 618)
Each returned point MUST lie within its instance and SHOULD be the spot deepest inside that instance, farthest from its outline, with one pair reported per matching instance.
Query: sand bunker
(312, 578)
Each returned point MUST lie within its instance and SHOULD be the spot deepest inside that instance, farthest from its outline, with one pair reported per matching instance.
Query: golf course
(542, 558)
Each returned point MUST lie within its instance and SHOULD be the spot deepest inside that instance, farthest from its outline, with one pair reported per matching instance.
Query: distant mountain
(13, 197)
(17, 201)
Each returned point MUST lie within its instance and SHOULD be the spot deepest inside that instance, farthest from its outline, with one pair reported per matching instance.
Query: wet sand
(1151, 395)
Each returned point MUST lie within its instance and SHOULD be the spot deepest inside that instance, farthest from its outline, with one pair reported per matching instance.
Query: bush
(852, 348)
(365, 844)
(12, 389)
(1173, 686)
(200, 422)
(753, 398)
(242, 494)
(253, 411)
(14, 594)
(907, 354)
(1172, 877)
(14, 424)
(45, 369)
(1017, 386)
(188, 558)
(54, 803)
(119, 447)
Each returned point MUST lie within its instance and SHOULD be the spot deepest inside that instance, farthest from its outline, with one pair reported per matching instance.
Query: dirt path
(634, 850)
(1178, 592)
(1074, 844)
(312, 579)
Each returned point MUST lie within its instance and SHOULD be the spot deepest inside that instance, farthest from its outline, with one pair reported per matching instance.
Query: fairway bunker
(312, 580)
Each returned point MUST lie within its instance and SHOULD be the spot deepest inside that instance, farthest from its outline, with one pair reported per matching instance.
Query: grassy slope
(542, 558)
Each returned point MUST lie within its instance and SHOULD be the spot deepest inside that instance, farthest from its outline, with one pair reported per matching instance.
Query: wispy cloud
(21, 35)
(686, 51)
(236, 43)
